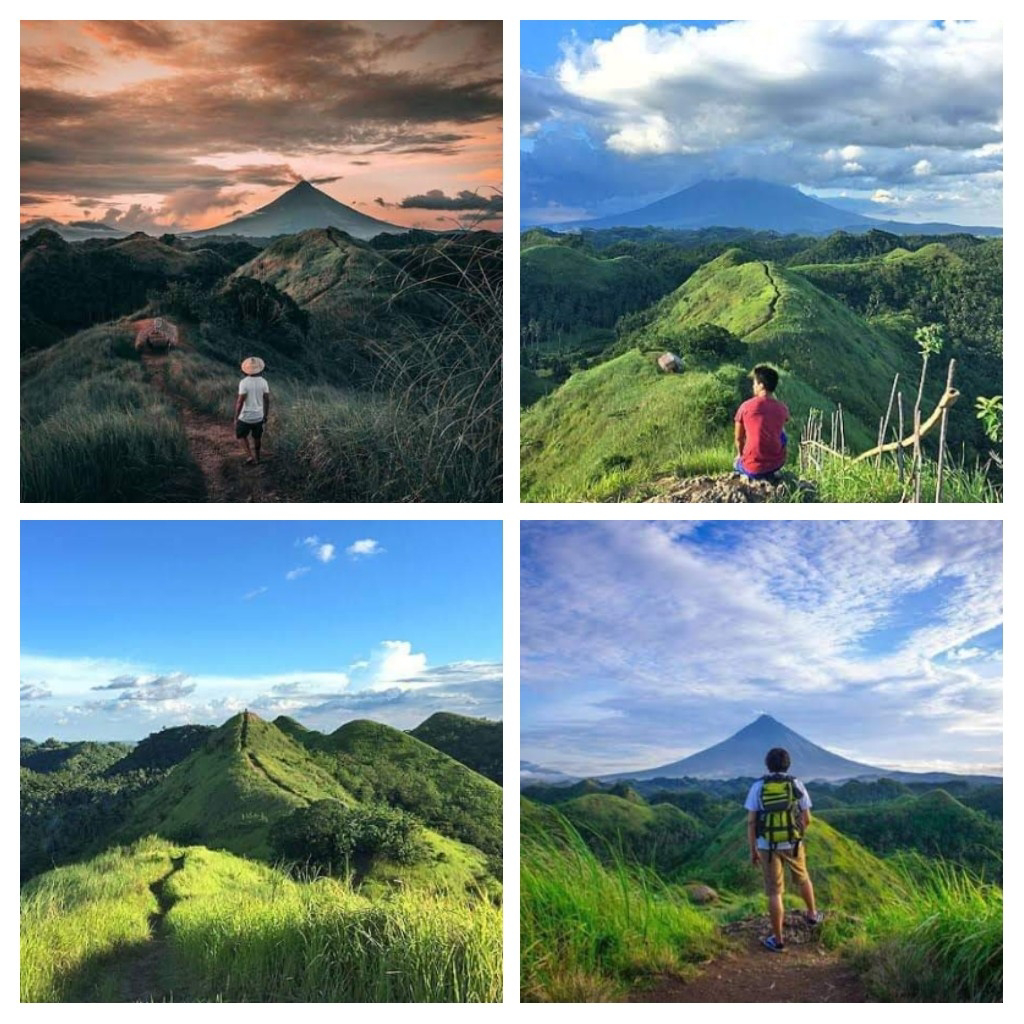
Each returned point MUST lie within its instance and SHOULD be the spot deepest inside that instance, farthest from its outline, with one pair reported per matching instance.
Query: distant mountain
(743, 755)
(530, 773)
(75, 231)
(760, 206)
(301, 208)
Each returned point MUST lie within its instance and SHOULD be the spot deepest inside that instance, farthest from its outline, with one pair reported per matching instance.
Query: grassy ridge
(231, 930)
(587, 929)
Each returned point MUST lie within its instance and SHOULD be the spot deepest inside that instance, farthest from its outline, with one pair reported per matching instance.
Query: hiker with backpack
(778, 814)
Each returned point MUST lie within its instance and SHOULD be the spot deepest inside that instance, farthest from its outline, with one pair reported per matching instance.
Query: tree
(709, 343)
(335, 838)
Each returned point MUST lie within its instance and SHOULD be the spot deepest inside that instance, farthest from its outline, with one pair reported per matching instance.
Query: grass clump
(937, 937)
(589, 928)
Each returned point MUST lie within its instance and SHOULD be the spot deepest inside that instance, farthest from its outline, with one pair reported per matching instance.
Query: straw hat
(253, 365)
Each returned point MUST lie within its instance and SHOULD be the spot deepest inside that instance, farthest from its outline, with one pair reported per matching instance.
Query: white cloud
(923, 168)
(850, 85)
(394, 663)
(885, 197)
(254, 593)
(322, 550)
(35, 691)
(365, 547)
(294, 574)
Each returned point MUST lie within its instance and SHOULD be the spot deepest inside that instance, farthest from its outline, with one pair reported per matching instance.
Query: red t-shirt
(763, 419)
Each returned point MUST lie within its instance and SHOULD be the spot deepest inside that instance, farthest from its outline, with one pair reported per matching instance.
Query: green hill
(375, 762)
(227, 794)
(623, 423)
(934, 824)
(845, 874)
(81, 758)
(564, 289)
(474, 742)
(660, 836)
(165, 748)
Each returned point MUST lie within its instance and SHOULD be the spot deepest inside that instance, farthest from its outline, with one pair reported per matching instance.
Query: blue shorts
(743, 471)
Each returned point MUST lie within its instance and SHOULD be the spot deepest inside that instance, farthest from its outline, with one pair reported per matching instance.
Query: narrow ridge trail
(773, 302)
(144, 973)
(214, 448)
(805, 973)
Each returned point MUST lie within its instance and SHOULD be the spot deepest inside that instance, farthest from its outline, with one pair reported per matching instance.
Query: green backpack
(779, 813)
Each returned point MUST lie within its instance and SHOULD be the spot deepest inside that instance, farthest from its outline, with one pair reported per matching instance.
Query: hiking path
(805, 972)
(214, 448)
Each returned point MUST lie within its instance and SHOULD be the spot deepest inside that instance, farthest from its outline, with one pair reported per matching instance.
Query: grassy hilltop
(837, 317)
(175, 886)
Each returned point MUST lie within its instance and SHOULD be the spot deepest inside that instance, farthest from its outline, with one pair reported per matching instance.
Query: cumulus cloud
(364, 548)
(35, 691)
(323, 551)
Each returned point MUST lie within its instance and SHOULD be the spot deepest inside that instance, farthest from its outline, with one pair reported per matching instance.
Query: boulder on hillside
(670, 363)
(701, 894)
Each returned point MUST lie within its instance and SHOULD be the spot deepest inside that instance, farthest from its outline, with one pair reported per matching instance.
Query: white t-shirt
(754, 804)
(254, 388)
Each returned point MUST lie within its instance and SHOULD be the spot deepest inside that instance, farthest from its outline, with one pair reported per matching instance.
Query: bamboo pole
(900, 458)
(920, 429)
(888, 412)
(942, 434)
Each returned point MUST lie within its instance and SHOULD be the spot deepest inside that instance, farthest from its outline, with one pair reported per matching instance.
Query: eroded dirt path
(215, 449)
(805, 973)
(145, 974)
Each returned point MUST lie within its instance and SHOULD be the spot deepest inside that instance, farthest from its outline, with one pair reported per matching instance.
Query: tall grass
(238, 931)
(74, 918)
(587, 929)
(937, 938)
(93, 430)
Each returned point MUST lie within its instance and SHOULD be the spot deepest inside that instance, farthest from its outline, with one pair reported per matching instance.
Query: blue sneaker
(769, 942)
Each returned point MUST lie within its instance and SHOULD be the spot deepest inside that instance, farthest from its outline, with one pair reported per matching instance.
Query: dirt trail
(214, 447)
(144, 974)
(805, 973)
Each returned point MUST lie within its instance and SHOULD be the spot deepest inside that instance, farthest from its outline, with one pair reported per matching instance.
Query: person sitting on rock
(778, 814)
(252, 407)
(760, 439)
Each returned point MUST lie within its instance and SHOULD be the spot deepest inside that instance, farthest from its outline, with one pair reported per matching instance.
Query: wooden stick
(888, 411)
(945, 402)
(942, 435)
(899, 450)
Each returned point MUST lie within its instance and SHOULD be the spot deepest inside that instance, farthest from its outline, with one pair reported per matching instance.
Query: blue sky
(128, 626)
(645, 642)
(894, 119)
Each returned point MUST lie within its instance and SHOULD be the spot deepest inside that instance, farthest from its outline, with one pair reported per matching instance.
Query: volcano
(302, 208)
(758, 206)
(742, 755)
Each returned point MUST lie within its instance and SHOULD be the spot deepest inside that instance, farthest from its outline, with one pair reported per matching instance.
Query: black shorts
(243, 429)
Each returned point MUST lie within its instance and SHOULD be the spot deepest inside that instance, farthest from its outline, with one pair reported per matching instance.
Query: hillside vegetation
(199, 870)
(837, 317)
(609, 880)
(368, 346)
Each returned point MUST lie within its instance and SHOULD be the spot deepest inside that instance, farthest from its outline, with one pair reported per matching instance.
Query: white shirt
(754, 804)
(254, 388)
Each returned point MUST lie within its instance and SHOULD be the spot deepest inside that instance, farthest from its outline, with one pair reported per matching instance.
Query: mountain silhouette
(302, 208)
(759, 206)
(743, 755)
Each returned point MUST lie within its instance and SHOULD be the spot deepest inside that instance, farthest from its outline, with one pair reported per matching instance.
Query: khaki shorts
(773, 863)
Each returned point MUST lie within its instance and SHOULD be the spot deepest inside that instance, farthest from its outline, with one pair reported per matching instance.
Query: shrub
(709, 343)
(334, 838)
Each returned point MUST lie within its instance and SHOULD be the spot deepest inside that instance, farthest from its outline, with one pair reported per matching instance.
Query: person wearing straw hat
(252, 408)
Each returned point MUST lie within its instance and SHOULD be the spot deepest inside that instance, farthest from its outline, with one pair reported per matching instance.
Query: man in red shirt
(760, 439)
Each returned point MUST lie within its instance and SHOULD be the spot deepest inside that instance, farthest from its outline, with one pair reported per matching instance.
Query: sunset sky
(170, 125)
